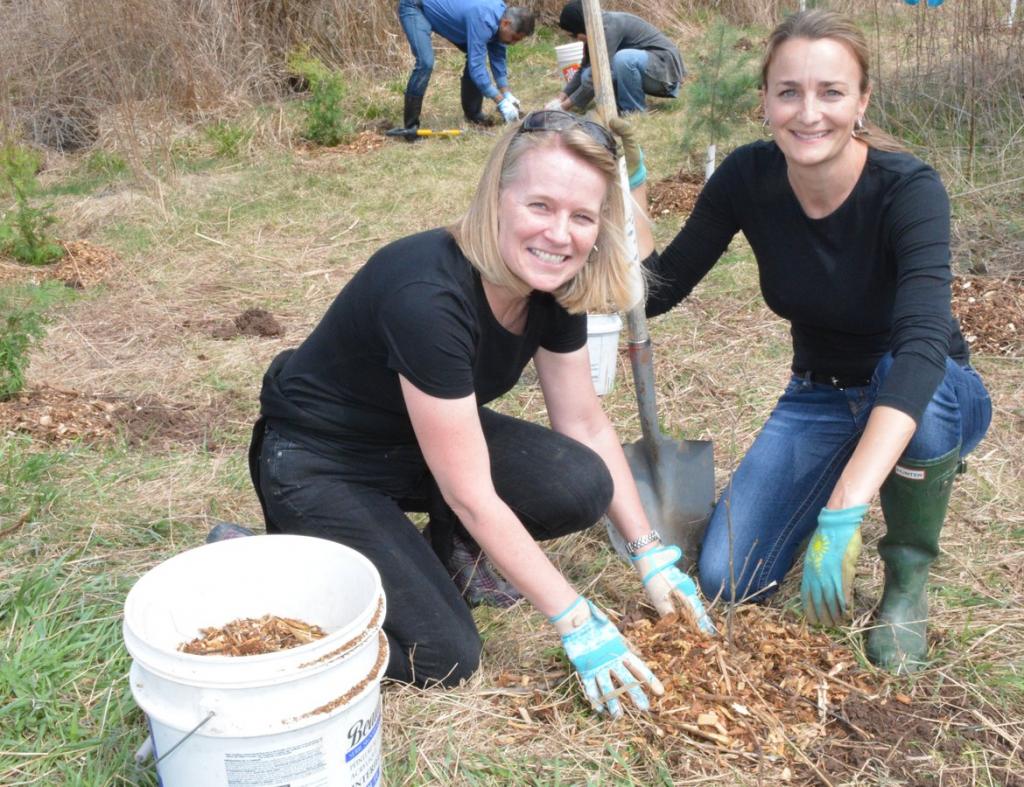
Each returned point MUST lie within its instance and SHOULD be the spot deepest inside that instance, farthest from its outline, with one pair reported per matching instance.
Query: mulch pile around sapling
(675, 194)
(253, 637)
(60, 417)
(793, 704)
(774, 686)
(84, 265)
(991, 313)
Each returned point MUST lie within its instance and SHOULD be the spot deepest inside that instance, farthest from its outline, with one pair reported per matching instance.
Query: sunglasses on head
(558, 120)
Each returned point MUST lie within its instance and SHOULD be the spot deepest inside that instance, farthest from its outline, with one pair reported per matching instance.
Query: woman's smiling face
(813, 99)
(549, 217)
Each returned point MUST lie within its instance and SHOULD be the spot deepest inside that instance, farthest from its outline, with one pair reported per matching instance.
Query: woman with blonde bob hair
(381, 411)
(850, 234)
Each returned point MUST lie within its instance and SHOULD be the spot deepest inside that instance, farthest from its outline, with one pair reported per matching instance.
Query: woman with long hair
(851, 238)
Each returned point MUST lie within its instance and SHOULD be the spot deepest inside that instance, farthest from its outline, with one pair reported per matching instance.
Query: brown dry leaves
(778, 685)
(253, 636)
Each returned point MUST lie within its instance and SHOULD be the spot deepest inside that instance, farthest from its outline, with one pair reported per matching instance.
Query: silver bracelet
(637, 544)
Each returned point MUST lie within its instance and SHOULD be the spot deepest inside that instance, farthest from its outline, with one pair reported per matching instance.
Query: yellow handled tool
(412, 133)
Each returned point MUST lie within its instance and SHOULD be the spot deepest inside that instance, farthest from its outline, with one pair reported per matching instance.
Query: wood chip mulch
(779, 684)
(62, 417)
(252, 637)
(83, 266)
(991, 313)
(675, 194)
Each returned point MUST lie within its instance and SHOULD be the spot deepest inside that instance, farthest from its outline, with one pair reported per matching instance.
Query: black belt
(837, 382)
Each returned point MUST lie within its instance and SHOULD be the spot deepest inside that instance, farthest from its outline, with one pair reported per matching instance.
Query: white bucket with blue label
(308, 716)
(603, 346)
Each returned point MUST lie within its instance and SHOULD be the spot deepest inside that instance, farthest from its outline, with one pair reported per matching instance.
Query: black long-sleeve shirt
(871, 277)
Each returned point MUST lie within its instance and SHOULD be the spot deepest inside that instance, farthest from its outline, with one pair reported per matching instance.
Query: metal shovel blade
(676, 490)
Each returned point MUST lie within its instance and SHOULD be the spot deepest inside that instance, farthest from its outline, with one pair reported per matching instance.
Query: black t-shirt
(871, 277)
(417, 308)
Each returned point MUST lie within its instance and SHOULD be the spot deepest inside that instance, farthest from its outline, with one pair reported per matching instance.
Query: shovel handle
(640, 351)
(640, 358)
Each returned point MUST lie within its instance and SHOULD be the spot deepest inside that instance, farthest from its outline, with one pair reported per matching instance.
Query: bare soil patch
(991, 313)
(60, 417)
(675, 194)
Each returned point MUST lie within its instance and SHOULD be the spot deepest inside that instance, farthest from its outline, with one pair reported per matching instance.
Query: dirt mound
(991, 313)
(251, 322)
(675, 194)
(60, 417)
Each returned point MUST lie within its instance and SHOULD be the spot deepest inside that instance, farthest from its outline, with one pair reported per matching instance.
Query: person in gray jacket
(644, 61)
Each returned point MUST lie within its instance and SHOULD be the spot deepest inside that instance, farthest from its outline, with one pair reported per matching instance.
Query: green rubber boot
(914, 499)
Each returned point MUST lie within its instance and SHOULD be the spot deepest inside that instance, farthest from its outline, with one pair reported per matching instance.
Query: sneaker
(477, 578)
(222, 531)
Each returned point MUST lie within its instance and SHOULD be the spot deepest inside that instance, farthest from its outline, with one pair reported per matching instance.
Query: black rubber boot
(413, 105)
(410, 119)
(914, 499)
(473, 101)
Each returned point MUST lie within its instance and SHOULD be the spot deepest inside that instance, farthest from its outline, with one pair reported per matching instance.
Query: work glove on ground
(669, 589)
(827, 587)
(631, 150)
(599, 653)
(508, 109)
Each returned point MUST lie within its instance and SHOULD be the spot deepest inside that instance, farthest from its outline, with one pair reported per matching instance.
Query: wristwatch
(637, 544)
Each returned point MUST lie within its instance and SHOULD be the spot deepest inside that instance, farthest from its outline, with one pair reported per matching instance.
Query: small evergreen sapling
(723, 92)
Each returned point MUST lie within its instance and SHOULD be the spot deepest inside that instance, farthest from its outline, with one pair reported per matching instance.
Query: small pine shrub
(326, 123)
(20, 325)
(18, 165)
(724, 90)
(24, 228)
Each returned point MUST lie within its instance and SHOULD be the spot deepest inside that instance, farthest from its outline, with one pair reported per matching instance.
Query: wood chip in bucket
(252, 637)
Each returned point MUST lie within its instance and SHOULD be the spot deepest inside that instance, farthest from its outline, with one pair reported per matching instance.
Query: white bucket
(307, 716)
(569, 57)
(603, 346)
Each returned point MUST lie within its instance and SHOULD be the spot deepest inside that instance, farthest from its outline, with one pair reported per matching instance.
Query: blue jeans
(417, 30)
(631, 83)
(785, 479)
(358, 497)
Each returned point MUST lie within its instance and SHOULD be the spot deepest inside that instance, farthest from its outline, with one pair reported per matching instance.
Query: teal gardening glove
(827, 587)
(669, 589)
(599, 652)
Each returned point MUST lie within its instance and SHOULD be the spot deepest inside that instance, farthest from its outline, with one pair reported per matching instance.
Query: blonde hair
(604, 282)
(815, 25)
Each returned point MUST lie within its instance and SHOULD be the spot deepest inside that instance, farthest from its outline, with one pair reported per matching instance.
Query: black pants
(554, 484)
